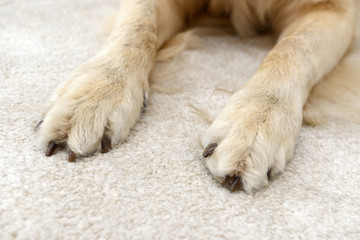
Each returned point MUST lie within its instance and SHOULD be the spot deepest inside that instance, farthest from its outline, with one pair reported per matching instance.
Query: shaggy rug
(155, 185)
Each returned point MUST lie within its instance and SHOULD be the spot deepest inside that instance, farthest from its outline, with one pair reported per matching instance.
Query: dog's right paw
(94, 110)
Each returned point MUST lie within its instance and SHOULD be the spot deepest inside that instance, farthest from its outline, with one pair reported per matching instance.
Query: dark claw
(38, 125)
(225, 181)
(72, 156)
(105, 144)
(50, 149)
(236, 185)
(209, 150)
(232, 183)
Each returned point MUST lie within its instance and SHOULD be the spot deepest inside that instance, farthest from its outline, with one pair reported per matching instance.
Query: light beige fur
(257, 130)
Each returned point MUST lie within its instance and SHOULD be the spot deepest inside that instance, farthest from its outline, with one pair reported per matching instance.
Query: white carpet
(154, 186)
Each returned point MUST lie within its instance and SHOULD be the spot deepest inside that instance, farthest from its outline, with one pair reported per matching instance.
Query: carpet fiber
(155, 185)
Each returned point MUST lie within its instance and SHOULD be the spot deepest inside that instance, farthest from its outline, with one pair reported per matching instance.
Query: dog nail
(230, 182)
(72, 156)
(105, 144)
(38, 125)
(209, 150)
(225, 180)
(236, 185)
(50, 149)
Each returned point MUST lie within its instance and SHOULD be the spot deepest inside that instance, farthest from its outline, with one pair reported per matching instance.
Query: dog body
(255, 135)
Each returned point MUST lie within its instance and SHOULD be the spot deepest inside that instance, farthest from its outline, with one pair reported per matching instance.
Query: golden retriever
(254, 136)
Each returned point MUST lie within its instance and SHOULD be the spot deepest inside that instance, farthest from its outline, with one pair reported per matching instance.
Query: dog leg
(96, 108)
(255, 135)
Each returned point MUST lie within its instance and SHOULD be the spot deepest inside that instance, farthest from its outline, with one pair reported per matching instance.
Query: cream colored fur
(337, 95)
(257, 130)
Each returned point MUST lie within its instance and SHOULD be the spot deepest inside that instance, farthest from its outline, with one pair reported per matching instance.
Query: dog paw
(94, 110)
(251, 140)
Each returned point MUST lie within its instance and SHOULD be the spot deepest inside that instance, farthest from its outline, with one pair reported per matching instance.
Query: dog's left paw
(251, 140)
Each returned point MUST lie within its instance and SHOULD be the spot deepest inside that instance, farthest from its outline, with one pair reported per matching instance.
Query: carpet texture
(155, 185)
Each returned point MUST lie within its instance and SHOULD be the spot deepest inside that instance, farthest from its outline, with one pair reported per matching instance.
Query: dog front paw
(251, 140)
(94, 110)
